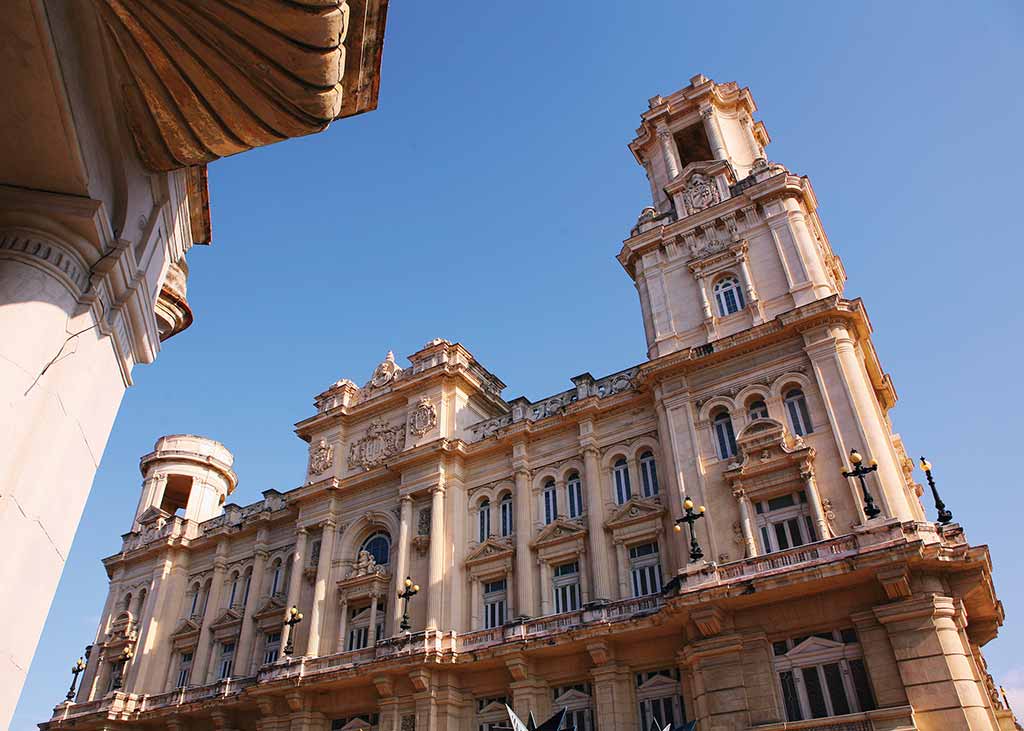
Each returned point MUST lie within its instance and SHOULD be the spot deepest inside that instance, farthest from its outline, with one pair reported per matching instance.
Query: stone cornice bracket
(518, 667)
(298, 701)
(708, 620)
(896, 582)
(600, 652)
(206, 80)
(385, 686)
(420, 679)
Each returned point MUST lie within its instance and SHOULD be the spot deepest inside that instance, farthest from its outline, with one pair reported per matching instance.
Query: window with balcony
(577, 700)
(659, 699)
(483, 520)
(645, 569)
(359, 627)
(822, 675)
(184, 668)
(648, 474)
(729, 296)
(725, 437)
(620, 474)
(550, 497)
(495, 598)
(784, 522)
(567, 587)
(796, 409)
(227, 660)
(574, 488)
(505, 510)
(271, 647)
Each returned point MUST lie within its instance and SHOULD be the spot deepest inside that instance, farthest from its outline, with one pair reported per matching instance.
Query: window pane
(836, 691)
(789, 696)
(794, 532)
(780, 536)
(865, 698)
(815, 693)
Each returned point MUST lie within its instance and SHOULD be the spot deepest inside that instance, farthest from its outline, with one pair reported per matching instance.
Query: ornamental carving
(423, 522)
(701, 192)
(423, 417)
(366, 565)
(321, 457)
(385, 372)
(380, 443)
(408, 723)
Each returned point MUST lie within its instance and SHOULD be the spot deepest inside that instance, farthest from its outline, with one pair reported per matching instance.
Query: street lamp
(126, 655)
(691, 517)
(294, 617)
(858, 471)
(945, 516)
(405, 594)
(76, 669)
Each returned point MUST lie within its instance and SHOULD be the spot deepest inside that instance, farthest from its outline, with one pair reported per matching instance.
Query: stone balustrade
(899, 718)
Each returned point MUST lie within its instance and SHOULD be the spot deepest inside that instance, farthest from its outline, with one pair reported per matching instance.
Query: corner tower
(732, 240)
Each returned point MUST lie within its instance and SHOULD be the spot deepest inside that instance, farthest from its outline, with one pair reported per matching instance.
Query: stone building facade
(542, 534)
(112, 110)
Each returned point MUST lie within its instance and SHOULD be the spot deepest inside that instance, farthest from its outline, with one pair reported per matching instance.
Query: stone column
(584, 578)
(934, 661)
(323, 574)
(879, 660)
(756, 151)
(669, 151)
(545, 587)
(561, 499)
(295, 580)
(707, 115)
(595, 522)
(705, 303)
(510, 594)
(671, 476)
(435, 579)
(523, 528)
(748, 281)
(401, 557)
(814, 499)
(717, 665)
(622, 559)
(152, 494)
(476, 601)
(246, 638)
(613, 697)
(745, 522)
(342, 625)
(372, 632)
(204, 647)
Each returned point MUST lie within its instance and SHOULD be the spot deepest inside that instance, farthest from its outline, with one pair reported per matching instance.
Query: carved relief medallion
(701, 193)
(384, 373)
(321, 456)
(423, 417)
(381, 442)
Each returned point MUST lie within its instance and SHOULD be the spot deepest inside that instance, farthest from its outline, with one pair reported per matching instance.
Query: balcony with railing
(899, 718)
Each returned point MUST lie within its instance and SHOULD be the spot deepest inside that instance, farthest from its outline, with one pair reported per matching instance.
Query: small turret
(188, 475)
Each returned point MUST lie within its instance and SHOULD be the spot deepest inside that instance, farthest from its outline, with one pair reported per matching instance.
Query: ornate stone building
(111, 111)
(542, 533)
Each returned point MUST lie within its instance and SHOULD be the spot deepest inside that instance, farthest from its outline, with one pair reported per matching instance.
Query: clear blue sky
(486, 198)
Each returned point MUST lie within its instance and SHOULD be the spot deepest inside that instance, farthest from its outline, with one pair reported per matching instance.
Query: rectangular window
(506, 517)
(184, 669)
(550, 503)
(227, 660)
(575, 489)
(645, 569)
(495, 596)
(271, 647)
(821, 676)
(660, 703)
(576, 700)
(784, 522)
(567, 587)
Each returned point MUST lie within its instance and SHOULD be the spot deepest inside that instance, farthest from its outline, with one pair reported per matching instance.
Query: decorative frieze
(321, 457)
(381, 442)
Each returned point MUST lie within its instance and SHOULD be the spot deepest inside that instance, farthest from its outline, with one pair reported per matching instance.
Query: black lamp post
(691, 517)
(76, 669)
(126, 655)
(405, 595)
(294, 617)
(858, 471)
(945, 516)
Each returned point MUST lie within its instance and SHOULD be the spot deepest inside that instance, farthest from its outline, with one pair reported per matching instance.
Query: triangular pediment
(494, 707)
(356, 724)
(490, 549)
(813, 646)
(635, 510)
(572, 697)
(185, 628)
(151, 514)
(560, 529)
(704, 167)
(269, 608)
(659, 683)
(229, 618)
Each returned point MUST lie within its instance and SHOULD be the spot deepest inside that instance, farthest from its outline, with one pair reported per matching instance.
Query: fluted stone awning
(203, 79)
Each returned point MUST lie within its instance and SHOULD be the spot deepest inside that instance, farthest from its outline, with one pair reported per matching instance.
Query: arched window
(275, 582)
(126, 605)
(724, 435)
(621, 473)
(574, 486)
(648, 474)
(796, 407)
(505, 509)
(379, 546)
(246, 585)
(729, 296)
(484, 520)
(234, 589)
(758, 410)
(550, 502)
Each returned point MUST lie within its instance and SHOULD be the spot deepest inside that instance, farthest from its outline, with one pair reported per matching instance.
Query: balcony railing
(830, 549)
(900, 718)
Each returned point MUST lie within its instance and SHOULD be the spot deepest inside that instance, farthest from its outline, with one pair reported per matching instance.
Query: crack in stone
(41, 526)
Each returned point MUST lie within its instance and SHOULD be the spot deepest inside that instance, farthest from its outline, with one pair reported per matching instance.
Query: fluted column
(814, 499)
(246, 637)
(745, 521)
(595, 523)
(204, 646)
(295, 581)
(323, 570)
(342, 625)
(714, 133)
(435, 578)
(668, 151)
(401, 558)
(523, 529)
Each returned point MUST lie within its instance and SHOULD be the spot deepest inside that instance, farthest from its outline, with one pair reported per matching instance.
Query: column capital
(437, 489)
(405, 498)
(301, 530)
(739, 493)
